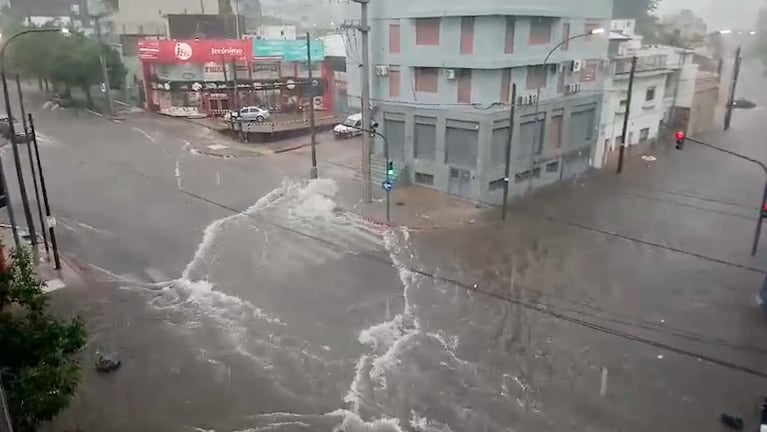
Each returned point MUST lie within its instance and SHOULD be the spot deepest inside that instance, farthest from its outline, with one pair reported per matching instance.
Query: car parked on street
(350, 127)
(249, 113)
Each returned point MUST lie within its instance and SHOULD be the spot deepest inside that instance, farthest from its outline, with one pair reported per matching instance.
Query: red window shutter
(505, 85)
(540, 31)
(566, 36)
(394, 83)
(394, 39)
(509, 44)
(467, 35)
(427, 31)
(464, 86)
(426, 80)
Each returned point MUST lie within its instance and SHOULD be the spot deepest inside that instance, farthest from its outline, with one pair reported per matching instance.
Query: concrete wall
(433, 8)
(146, 16)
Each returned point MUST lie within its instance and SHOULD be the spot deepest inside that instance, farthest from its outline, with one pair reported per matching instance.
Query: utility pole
(312, 128)
(621, 153)
(507, 169)
(364, 28)
(103, 61)
(733, 87)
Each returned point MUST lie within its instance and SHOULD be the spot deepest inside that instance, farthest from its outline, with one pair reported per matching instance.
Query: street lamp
(595, 31)
(14, 144)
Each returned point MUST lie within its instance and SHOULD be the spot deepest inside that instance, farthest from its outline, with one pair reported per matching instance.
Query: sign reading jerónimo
(288, 50)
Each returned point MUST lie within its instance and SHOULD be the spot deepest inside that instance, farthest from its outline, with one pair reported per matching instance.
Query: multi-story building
(442, 74)
(663, 89)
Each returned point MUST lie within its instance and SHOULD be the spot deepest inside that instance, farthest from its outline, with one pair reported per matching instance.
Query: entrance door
(460, 182)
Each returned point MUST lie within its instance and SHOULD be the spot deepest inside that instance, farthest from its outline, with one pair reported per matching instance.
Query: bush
(38, 366)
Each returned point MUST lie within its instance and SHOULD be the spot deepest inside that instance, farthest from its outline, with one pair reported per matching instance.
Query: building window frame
(427, 31)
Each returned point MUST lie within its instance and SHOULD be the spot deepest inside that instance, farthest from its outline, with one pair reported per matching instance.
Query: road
(242, 298)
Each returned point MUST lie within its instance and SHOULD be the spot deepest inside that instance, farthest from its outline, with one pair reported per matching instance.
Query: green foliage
(38, 366)
(67, 61)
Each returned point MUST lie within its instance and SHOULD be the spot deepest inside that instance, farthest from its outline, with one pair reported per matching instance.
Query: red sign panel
(195, 51)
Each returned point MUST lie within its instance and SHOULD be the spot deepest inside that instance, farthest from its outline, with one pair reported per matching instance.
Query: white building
(664, 79)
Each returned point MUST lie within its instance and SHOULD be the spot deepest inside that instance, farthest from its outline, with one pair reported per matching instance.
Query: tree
(39, 368)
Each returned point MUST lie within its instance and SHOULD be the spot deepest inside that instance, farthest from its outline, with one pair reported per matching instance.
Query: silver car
(250, 113)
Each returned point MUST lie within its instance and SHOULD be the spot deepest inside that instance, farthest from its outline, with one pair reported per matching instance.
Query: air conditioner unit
(533, 98)
(562, 67)
(382, 70)
(450, 74)
(576, 66)
(523, 100)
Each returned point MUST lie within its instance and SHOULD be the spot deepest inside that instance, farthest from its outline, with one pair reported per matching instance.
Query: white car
(249, 113)
(350, 127)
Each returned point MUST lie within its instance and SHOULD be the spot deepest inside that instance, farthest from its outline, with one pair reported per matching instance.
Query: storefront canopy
(288, 50)
(195, 51)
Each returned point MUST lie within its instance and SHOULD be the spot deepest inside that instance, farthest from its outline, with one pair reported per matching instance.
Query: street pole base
(313, 173)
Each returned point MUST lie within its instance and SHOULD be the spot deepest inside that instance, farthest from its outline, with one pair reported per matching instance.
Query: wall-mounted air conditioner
(382, 70)
(577, 64)
(450, 74)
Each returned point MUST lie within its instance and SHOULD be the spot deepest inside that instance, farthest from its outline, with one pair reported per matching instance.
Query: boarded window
(506, 85)
(581, 128)
(552, 167)
(426, 80)
(555, 132)
(565, 36)
(427, 31)
(394, 39)
(394, 83)
(464, 86)
(536, 77)
(509, 41)
(540, 31)
(461, 142)
(649, 94)
(425, 138)
(644, 134)
(498, 147)
(530, 138)
(467, 35)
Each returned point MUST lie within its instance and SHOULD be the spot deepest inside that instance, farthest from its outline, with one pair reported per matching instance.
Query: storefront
(211, 77)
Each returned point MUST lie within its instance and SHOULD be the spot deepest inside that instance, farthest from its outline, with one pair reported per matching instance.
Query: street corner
(230, 150)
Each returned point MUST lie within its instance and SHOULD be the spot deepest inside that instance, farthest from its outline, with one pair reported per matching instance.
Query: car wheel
(260, 118)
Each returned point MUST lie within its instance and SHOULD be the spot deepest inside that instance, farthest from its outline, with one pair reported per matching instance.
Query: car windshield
(350, 122)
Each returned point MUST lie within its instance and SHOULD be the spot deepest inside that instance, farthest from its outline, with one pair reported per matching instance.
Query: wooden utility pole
(621, 153)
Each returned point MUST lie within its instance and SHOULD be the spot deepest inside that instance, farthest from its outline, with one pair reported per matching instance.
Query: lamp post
(538, 94)
(12, 130)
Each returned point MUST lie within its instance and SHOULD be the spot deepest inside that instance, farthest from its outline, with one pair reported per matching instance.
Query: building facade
(663, 92)
(442, 74)
(211, 77)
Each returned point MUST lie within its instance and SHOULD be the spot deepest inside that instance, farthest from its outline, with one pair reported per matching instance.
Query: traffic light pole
(389, 170)
(762, 210)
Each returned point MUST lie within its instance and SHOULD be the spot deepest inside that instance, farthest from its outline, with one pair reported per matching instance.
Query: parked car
(350, 127)
(5, 130)
(249, 113)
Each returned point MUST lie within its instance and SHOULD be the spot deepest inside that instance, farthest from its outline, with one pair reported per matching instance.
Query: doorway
(459, 183)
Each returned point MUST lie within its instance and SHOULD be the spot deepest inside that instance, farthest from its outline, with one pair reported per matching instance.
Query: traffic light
(390, 170)
(680, 137)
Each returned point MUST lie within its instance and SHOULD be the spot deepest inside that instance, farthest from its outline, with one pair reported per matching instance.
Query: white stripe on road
(146, 135)
(94, 229)
(95, 113)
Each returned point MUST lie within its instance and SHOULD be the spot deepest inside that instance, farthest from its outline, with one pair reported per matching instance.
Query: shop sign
(195, 51)
(288, 50)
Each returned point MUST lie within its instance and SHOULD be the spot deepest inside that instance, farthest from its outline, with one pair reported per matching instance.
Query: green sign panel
(289, 50)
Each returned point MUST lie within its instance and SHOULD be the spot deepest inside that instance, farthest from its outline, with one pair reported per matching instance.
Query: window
(649, 94)
(521, 177)
(499, 144)
(537, 172)
(427, 31)
(496, 185)
(591, 25)
(506, 85)
(536, 77)
(565, 36)
(555, 137)
(467, 35)
(394, 39)
(644, 134)
(552, 167)
(424, 179)
(582, 127)
(540, 31)
(461, 143)
(589, 71)
(425, 138)
(509, 41)
(394, 83)
(426, 80)
(464, 86)
(531, 134)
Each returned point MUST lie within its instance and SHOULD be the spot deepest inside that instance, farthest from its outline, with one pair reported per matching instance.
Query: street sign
(387, 185)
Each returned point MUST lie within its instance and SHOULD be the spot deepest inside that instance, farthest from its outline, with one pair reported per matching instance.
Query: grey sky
(719, 14)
